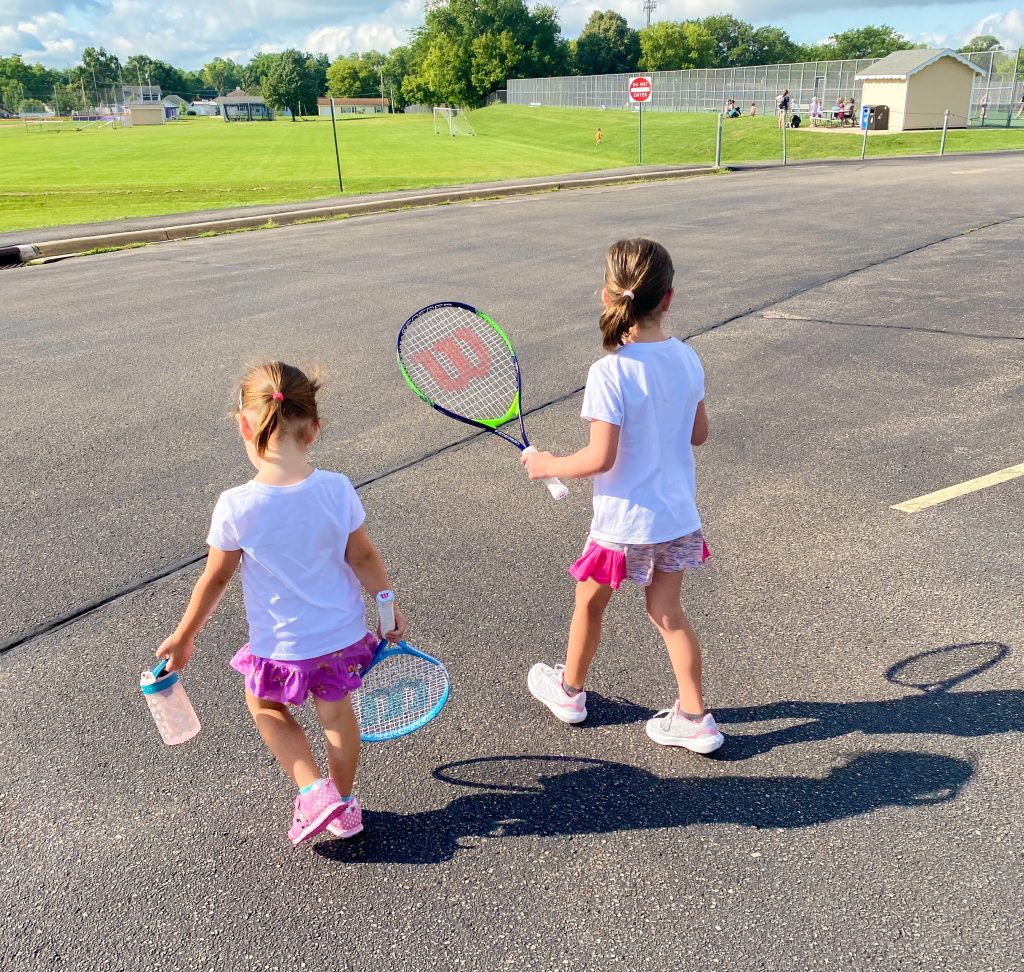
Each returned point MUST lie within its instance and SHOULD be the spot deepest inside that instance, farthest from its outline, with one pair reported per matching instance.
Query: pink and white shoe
(546, 686)
(670, 728)
(349, 822)
(314, 811)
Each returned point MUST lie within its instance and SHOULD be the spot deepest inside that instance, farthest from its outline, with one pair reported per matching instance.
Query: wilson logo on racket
(452, 349)
(461, 363)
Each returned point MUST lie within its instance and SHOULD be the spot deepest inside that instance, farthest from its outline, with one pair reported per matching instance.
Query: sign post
(640, 91)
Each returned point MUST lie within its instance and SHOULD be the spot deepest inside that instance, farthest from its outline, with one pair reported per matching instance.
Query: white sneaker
(545, 685)
(669, 728)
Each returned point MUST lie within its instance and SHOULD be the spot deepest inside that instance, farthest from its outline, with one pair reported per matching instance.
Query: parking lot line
(951, 492)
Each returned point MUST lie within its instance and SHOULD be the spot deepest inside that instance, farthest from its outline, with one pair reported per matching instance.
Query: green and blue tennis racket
(462, 364)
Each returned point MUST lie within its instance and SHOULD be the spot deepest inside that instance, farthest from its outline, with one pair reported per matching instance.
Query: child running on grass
(645, 404)
(299, 536)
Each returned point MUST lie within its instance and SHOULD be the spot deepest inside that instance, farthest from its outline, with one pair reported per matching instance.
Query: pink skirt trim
(328, 677)
(600, 564)
(639, 561)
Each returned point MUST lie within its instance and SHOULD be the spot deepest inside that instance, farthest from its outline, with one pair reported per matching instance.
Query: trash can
(866, 114)
(879, 118)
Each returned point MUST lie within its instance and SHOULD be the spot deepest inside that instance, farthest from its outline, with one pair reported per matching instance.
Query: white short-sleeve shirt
(651, 391)
(302, 599)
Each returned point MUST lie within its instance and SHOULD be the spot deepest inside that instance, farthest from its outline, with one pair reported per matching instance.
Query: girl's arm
(366, 563)
(220, 568)
(597, 456)
(700, 425)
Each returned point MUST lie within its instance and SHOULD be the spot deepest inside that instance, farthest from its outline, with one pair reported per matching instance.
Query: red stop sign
(639, 89)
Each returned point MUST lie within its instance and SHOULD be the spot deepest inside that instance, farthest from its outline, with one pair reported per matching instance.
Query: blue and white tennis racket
(403, 689)
(461, 363)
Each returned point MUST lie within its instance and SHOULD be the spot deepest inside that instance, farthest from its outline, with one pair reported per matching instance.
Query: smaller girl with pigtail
(645, 404)
(298, 534)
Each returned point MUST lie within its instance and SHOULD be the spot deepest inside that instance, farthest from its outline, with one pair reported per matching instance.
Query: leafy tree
(397, 65)
(668, 46)
(355, 75)
(290, 83)
(870, 41)
(151, 71)
(255, 72)
(466, 48)
(222, 74)
(12, 94)
(607, 45)
(67, 98)
(733, 39)
(983, 42)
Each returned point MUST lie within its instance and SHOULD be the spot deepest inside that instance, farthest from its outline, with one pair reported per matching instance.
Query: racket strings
(460, 362)
(398, 693)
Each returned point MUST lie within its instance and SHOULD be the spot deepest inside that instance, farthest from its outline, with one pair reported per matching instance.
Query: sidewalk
(64, 240)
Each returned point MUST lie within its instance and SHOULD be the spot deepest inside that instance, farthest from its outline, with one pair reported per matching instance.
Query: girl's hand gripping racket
(462, 364)
(403, 689)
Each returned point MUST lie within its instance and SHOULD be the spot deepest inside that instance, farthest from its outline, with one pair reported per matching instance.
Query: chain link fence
(996, 98)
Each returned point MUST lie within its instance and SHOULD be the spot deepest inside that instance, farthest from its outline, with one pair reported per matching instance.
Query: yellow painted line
(951, 492)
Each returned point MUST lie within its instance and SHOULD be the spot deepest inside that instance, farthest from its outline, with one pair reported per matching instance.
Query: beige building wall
(886, 92)
(944, 84)
(147, 114)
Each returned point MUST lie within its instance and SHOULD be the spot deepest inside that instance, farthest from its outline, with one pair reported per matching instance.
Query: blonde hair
(285, 398)
(637, 275)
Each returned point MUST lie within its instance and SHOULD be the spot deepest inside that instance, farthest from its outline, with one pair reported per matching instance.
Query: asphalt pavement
(863, 334)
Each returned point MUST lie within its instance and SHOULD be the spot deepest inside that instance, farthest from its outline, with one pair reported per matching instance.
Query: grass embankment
(53, 178)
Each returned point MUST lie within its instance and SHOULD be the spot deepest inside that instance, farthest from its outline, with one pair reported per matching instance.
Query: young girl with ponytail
(645, 404)
(298, 534)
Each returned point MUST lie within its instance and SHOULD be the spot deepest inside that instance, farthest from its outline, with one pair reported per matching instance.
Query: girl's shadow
(557, 797)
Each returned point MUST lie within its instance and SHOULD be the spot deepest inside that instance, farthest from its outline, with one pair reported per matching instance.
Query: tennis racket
(403, 689)
(461, 363)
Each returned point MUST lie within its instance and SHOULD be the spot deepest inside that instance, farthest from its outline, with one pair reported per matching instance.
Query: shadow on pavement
(558, 797)
(936, 711)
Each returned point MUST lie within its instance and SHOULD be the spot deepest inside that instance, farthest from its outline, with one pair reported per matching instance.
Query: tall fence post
(945, 126)
(337, 157)
(1013, 90)
(718, 143)
(784, 127)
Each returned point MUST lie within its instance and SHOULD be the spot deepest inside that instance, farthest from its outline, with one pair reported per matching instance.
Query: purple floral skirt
(328, 677)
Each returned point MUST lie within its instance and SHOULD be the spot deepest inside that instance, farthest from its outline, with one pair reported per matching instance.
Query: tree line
(464, 50)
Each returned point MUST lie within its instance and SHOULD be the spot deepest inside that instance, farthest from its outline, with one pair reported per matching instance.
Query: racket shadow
(932, 710)
(558, 798)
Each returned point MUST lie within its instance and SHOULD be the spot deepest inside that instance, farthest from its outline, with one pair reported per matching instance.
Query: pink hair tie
(278, 396)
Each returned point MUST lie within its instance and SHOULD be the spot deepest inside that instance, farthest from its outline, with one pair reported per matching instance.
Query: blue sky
(54, 32)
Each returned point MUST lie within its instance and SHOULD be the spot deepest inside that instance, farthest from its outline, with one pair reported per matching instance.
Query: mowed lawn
(54, 178)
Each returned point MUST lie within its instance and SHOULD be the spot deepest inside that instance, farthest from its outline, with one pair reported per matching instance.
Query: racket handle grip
(386, 611)
(555, 486)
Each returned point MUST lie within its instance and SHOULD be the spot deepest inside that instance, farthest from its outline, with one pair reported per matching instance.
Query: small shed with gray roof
(919, 86)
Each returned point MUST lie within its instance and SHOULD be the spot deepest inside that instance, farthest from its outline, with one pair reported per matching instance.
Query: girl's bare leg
(680, 639)
(341, 730)
(285, 739)
(585, 630)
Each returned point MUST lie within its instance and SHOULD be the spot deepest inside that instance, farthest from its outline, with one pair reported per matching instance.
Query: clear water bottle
(169, 705)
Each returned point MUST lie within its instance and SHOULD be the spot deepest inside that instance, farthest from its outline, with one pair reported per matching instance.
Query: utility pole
(649, 7)
(380, 67)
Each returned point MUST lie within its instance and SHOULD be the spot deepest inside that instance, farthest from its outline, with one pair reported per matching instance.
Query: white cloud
(1008, 27)
(187, 34)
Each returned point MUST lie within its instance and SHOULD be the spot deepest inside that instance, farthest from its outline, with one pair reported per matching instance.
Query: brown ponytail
(285, 398)
(637, 275)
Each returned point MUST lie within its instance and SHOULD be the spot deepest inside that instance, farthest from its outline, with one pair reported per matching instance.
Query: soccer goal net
(452, 121)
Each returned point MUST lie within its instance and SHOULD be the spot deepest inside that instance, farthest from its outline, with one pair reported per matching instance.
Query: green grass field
(53, 178)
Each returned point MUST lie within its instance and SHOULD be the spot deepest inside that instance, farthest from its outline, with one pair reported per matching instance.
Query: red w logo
(448, 363)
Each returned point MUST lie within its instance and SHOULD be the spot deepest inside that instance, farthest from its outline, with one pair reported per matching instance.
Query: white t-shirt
(301, 597)
(651, 391)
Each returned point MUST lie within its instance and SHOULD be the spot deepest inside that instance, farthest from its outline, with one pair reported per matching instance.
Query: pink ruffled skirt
(612, 564)
(328, 677)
